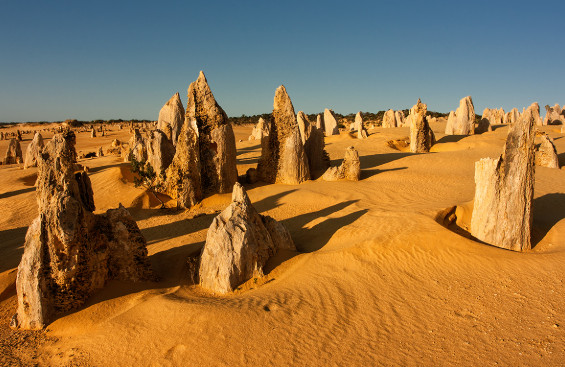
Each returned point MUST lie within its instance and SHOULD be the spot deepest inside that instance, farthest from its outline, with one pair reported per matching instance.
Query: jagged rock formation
(303, 125)
(260, 130)
(13, 153)
(483, 126)
(419, 107)
(320, 122)
(554, 115)
(493, 116)
(137, 149)
(160, 151)
(183, 181)
(283, 158)
(171, 118)
(463, 121)
(330, 123)
(512, 116)
(239, 243)
(389, 119)
(350, 168)
(400, 119)
(421, 135)
(546, 155)
(33, 150)
(504, 189)
(93, 133)
(70, 252)
(100, 152)
(358, 125)
(535, 113)
(216, 139)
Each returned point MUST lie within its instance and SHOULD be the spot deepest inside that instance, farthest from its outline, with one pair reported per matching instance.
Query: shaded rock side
(504, 189)
(13, 153)
(283, 158)
(464, 117)
(171, 118)
(216, 138)
(546, 155)
(137, 149)
(69, 251)
(33, 150)
(450, 123)
(238, 244)
(350, 168)
(160, 151)
(182, 180)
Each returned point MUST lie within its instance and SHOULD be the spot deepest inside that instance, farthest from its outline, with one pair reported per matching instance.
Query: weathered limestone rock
(330, 123)
(33, 150)
(238, 244)
(400, 119)
(419, 107)
(160, 151)
(502, 212)
(14, 152)
(171, 118)
(318, 158)
(283, 159)
(546, 155)
(93, 133)
(70, 252)
(350, 168)
(320, 122)
(493, 116)
(260, 130)
(303, 125)
(216, 138)
(100, 152)
(18, 135)
(554, 115)
(464, 123)
(183, 181)
(389, 119)
(358, 125)
(450, 123)
(512, 116)
(137, 149)
(484, 126)
(421, 135)
(536, 115)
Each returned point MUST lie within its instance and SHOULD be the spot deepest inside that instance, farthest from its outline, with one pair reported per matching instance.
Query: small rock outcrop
(238, 244)
(171, 118)
(504, 189)
(303, 125)
(93, 133)
(400, 118)
(137, 149)
(546, 155)
(421, 135)
(389, 119)
(536, 114)
(330, 123)
(69, 252)
(260, 130)
(33, 150)
(554, 115)
(216, 140)
(350, 168)
(358, 125)
(463, 120)
(160, 151)
(494, 116)
(13, 153)
(283, 158)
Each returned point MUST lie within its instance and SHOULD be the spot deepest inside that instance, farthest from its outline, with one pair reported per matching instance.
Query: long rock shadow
(11, 247)
(548, 210)
(371, 172)
(248, 149)
(16, 192)
(372, 161)
(312, 239)
(561, 159)
(451, 139)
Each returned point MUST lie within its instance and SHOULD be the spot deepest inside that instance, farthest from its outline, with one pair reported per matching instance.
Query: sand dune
(376, 280)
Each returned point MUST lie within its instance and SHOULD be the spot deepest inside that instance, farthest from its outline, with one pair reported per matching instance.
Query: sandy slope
(376, 282)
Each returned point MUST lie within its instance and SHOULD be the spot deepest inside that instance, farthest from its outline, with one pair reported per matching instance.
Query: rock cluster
(462, 121)
(313, 140)
(421, 135)
(171, 118)
(33, 150)
(13, 153)
(358, 125)
(494, 116)
(350, 168)
(283, 157)
(137, 149)
(504, 189)
(238, 244)
(535, 113)
(512, 116)
(546, 155)
(554, 115)
(70, 252)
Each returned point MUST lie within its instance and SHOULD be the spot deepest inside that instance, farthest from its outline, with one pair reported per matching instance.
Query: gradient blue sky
(124, 59)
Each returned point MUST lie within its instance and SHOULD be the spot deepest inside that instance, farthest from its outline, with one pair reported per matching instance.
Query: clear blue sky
(124, 59)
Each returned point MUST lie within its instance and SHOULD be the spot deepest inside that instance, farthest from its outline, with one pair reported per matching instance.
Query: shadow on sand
(548, 210)
(16, 192)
